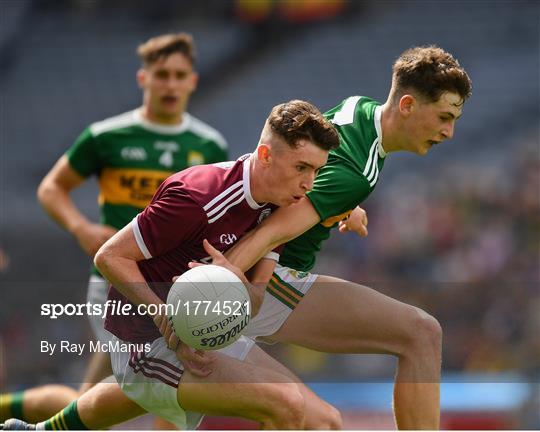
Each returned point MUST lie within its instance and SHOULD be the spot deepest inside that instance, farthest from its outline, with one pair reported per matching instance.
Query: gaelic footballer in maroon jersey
(218, 203)
(212, 202)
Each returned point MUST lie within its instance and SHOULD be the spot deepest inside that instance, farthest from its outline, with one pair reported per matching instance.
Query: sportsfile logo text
(110, 307)
(114, 307)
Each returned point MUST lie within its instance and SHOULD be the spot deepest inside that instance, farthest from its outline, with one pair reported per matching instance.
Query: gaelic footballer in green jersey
(346, 180)
(132, 156)
(329, 314)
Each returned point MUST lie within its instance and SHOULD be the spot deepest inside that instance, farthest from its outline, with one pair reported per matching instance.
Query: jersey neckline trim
(247, 187)
(161, 128)
(378, 128)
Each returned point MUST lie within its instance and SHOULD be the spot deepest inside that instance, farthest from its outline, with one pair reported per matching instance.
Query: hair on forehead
(163, 46)
(430, 71)
(298, 120)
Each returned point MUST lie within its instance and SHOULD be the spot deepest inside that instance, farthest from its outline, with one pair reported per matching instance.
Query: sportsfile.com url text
(113, 307)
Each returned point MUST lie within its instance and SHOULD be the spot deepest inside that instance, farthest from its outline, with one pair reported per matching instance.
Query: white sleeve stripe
(139, 238)
(224, 203)
(272, 255)
(222, 194)
(215, 218)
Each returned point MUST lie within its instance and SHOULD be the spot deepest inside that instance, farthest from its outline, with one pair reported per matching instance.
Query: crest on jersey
(297, 274)
(195, 158)
(227, 239)
(264, 214)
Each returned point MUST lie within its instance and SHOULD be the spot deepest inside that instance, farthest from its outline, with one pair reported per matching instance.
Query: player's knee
(287, 407)
(425, 332)
(332, 418)
(61, 393)
(53, 395)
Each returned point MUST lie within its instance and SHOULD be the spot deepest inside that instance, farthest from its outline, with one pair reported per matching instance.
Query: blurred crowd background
(456, 232)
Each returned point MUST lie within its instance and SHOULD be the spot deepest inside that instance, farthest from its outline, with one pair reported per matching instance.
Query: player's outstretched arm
(54, 195)
(283, 225)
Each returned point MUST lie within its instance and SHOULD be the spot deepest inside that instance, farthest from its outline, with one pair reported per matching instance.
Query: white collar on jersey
(378, 128)
(161, 128)
(247, 188)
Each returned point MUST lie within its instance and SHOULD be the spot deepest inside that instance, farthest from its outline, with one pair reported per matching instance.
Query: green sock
(11, 405)
(67, 419)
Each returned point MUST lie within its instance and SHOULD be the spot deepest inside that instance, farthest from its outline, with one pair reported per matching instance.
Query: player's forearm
(124, 274)
(59, 206)
(284, 225)
(259, 276)
(252, 247)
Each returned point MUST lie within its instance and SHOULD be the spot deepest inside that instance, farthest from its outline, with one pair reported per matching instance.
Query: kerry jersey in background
(131, 157)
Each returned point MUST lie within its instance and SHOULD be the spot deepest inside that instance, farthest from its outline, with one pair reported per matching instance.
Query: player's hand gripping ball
(209, 307)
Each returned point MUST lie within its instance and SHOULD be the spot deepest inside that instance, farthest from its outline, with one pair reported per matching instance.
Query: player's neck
(391, 141)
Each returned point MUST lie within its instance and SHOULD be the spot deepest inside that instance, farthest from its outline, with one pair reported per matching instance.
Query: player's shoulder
(204, 182)
(350, 108)
(116, 122)
(204, 130)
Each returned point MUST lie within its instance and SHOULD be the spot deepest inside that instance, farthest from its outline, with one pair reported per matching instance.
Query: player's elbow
(43, 191)
(103, 258)
(49, 192)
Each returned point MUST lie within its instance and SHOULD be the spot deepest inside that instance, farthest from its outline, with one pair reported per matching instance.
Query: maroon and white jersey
(210, 202)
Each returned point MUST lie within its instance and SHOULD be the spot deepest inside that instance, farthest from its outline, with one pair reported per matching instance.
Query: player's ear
(141, 77)
(194, 81)
(407, 104)
(263, 153)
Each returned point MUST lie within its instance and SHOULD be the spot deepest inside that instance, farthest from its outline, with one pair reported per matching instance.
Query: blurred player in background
(131, 154)
(328, 314)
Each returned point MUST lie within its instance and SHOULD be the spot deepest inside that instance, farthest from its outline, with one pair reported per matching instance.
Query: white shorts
(97, 294)
(151, 378)
(284, 291)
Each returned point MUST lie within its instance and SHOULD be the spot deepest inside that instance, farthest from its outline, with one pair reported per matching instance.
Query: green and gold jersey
(131, 157)
(349, 176)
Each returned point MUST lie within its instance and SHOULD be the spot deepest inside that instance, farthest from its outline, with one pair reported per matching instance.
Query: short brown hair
(297, 119)
(163, 46)
(430, 71)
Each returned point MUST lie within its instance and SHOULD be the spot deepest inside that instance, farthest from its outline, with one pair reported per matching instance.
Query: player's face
(167, 86)
(433, 122)
(293, 172)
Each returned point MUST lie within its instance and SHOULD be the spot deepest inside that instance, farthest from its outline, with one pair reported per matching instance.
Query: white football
(209, 307)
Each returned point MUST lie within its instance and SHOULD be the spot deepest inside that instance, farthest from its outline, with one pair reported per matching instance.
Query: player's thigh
(236, 388)
(345, 317)
(316, 409)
